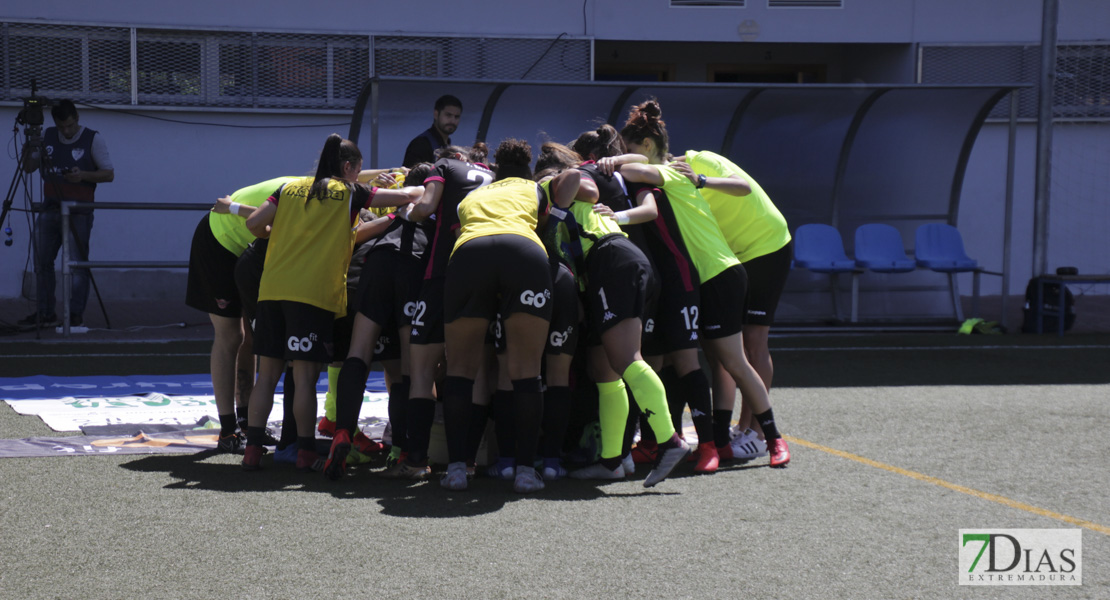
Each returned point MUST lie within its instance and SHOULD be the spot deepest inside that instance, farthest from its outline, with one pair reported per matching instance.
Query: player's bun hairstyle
(336, 152)
(646, 121)
(451, 150)
(556, 156)
(478, 153)
(513, 158)
(599, 143)
(419, 173)
(473, 154)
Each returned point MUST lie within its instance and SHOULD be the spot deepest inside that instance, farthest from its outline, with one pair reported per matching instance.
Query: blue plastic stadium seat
(879, 248)
(940, 247)
(819, 248)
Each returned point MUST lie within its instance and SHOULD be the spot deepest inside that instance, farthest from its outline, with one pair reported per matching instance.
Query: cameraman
(75, 160)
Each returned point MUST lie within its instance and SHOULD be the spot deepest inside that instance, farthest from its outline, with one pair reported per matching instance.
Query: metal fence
(252, 69)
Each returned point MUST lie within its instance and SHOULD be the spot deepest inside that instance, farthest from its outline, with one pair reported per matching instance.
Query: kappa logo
(608, 316)
(537, 299)
(693, 336)
(300, 344)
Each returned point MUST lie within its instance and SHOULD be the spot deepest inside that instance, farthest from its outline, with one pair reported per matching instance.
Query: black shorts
(211, 283)
(673, 319)
(766, 279)
(388, 290)
(248, 276)
(619, 285)
(720, 316)
(427, 314)
(293, 331)
(562, 335)
(493, 274)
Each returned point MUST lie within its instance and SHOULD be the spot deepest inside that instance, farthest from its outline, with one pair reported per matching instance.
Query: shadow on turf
(218, 472)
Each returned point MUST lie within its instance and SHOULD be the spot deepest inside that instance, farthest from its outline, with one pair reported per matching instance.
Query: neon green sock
(329, 398)
(651, 397)
(612, 410)
(395, 452)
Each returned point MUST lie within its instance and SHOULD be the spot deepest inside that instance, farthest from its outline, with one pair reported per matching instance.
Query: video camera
(31, 117)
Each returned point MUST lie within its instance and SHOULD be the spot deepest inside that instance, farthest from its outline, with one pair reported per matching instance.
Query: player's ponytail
(337, 151)
(599, 143)
(557, 156)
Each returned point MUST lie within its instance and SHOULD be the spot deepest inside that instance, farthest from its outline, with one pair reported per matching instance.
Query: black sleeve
(542, 200)
(362, 194)
(419, 150)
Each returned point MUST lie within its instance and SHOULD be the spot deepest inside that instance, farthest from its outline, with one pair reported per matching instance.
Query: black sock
(228, 424)
(457, 397)
(288, 415)
(501, 408)
(528, 401)
(349, 389)
(398, 416)
(695, 387)
(556, 416)
(307, 443)
(766, 420)
(255, 436)
(422, 412)
(676, 400)
(241, 417)
(611, 463)
(479, 417)
(722, 420)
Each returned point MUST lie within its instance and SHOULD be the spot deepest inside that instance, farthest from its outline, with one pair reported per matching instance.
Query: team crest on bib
(78, 153)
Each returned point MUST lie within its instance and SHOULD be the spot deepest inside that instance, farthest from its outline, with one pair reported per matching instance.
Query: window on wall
(401, 58)
(92, 63)
(170, 69)
(1082, 81)
(262, 69)
(1082, 87)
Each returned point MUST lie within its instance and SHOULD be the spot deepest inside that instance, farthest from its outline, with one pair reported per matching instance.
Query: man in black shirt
(445, 120)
